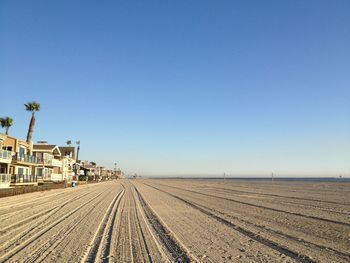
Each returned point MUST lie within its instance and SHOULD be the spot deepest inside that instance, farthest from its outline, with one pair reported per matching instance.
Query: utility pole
(115, 170)
(78, 149)
(77, 171)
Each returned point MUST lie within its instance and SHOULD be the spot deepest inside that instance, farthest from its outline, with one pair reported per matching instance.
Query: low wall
(30, 188)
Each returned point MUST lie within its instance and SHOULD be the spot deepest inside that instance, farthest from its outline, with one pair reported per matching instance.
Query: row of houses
(23, 163)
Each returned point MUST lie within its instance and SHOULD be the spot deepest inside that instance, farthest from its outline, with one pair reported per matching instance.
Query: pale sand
(179, 221)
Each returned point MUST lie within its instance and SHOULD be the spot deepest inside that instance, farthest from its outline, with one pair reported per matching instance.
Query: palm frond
(6, 122)
(32, 106)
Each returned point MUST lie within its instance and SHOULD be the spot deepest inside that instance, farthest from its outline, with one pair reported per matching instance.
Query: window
(7, 148)
(22, 150)
(20, 171)
(39, 171)
(3, 169)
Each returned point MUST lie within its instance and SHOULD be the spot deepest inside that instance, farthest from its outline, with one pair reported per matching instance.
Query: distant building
(119, 173)
(102, 173)
(88, 171)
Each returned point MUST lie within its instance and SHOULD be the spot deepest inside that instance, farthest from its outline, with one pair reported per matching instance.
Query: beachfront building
(68, 163)
(103, 175)
(5, 161)
(77, 170)
(109, 174)
(18, 161)
(50, 168)
(87, 171)
(98, 172)
(119, 173)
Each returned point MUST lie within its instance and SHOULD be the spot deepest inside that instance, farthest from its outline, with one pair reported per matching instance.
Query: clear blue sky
(184, 87)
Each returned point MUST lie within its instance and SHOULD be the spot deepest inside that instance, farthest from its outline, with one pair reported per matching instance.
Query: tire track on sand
(345, 256)
(141, 233)
(23, 244)
(47, 248)
(48, 212)
(263, 207)
(98, 250)
(175, 250)
(269, 243)
(281, 196)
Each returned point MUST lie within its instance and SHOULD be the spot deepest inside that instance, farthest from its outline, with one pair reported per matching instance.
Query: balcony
(51, 162)
(47, 159)
(25, 158)
(23, 178)
(5, 180)
(57, 163)
(5, 156)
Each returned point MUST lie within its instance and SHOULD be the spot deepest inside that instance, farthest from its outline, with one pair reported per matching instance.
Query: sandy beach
(178, 220)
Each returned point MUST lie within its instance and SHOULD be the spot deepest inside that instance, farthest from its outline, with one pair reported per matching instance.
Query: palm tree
(78, 149)
(32, 107)
(6, 122)
(69, 142)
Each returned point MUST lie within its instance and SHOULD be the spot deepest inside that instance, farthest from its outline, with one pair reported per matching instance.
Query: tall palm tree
(32, 107)
(6, 123)
(69, 142)
(78, 149)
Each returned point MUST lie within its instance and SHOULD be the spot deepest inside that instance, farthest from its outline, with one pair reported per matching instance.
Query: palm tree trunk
(31, 128)
(7, 130)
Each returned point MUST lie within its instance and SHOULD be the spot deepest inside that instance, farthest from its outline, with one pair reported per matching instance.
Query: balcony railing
(57, 163)
(26, 158)
(23, 178)
(47, 159)
(4, 154)
(5, 178)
